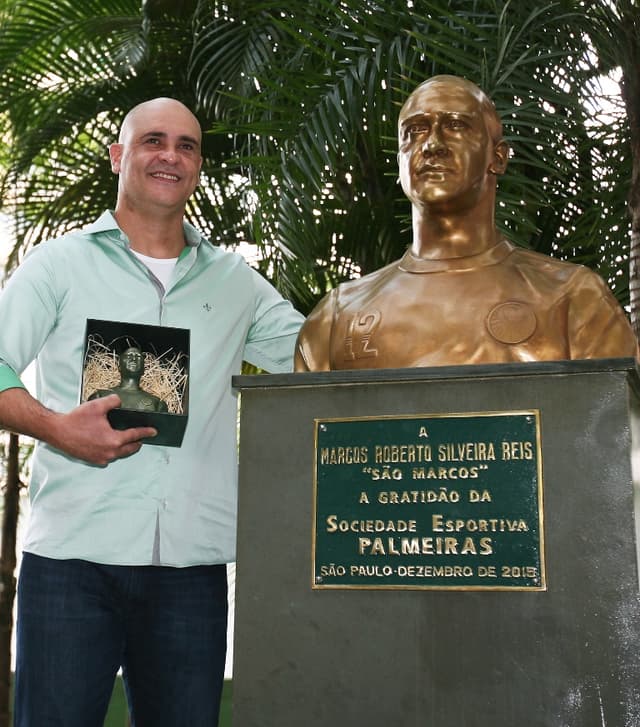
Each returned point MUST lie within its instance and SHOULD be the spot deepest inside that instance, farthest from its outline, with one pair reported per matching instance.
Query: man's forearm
(21, 413)
(84, 433)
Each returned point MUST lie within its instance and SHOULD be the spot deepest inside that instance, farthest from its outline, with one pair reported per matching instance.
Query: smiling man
(462, 293)
(125, 553)
(158, 161)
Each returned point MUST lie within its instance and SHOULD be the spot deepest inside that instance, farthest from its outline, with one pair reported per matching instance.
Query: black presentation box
(169, 347)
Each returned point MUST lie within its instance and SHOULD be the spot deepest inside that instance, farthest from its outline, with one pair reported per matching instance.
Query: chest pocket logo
(360, 330)
(511, 322)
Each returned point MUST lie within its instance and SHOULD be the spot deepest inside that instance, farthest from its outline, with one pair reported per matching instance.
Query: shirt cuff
(9, 379)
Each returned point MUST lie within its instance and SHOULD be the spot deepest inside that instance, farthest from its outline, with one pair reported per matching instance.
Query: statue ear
(500, 158)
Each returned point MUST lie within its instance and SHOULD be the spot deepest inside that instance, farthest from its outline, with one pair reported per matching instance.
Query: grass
(117, 714)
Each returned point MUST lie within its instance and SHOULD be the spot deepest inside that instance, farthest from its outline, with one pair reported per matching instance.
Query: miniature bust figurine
(131, 366)
(462, 293)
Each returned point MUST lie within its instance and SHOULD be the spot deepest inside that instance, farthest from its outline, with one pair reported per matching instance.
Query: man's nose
(168, 155)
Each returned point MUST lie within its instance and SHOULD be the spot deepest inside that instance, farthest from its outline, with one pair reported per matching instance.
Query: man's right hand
(84, 432)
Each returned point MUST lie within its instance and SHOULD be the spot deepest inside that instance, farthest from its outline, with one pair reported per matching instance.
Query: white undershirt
(162, 268)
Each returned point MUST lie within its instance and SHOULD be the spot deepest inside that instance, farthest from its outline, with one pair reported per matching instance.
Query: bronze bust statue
(462, 293)
(131, 366)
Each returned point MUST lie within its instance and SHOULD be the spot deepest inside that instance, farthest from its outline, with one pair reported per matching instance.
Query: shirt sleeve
(272, 335)
(8, 378)
(28, 313)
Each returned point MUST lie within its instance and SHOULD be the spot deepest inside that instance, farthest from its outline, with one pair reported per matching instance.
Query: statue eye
(418, 128)
(457, 124)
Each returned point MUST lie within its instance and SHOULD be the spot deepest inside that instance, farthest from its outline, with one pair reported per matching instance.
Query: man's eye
(153, 141)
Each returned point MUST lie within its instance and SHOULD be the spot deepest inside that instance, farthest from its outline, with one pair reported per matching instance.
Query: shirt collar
(107, 223)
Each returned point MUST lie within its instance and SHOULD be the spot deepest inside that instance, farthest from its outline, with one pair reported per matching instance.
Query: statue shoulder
(597, 326)
(313, 349)
(312, 346)
(354, 291)
(560, 271)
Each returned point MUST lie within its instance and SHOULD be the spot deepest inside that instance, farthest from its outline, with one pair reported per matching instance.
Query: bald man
(125, 553)
(462, 293)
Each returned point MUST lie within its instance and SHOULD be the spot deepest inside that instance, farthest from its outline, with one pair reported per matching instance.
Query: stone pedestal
(565, 653)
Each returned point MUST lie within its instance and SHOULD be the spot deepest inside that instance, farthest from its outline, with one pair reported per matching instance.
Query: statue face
(131, 361)
(445, 150)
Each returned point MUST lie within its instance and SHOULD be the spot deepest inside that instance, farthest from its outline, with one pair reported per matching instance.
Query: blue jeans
(79, 622)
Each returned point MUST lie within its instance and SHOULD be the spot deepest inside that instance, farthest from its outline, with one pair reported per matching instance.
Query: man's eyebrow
(191, 139)
(163, 135)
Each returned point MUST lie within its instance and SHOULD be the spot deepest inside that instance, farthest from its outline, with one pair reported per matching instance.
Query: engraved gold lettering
(371, 571)
(466, 452)
(334, 525)
(487, 571)
(472, 525)
(413, 497)
(519, 571)
(332, 570)
(517, 450)
(476, 496)
(448, 571)
(343, 455)
(395, 453)
(429, 545)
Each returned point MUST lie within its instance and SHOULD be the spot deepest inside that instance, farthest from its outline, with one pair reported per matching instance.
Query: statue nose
(433, 144)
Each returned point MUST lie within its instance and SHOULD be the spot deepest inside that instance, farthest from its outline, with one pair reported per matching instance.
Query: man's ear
(500, 158)
(115, 154)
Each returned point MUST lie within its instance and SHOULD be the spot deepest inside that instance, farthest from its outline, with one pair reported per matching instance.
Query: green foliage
(299, 104)
(310, 95)
(70, 71)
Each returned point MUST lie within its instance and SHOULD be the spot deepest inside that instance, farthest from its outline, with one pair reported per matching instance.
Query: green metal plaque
(446, 501)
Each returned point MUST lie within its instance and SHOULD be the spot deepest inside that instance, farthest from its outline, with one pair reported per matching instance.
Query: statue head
(450, 143)
(131, 362)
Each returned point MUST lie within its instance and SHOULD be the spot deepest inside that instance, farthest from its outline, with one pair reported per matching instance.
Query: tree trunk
(7, 572)
(633, 112)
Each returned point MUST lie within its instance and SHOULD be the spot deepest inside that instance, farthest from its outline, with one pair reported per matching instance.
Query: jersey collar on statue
(412, 264)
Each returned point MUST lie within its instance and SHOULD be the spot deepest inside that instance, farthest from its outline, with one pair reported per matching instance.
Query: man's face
(445, 150)
(131, 361)
(158, 157)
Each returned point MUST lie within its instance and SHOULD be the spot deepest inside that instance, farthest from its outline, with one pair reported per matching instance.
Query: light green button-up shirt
(179, 503)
